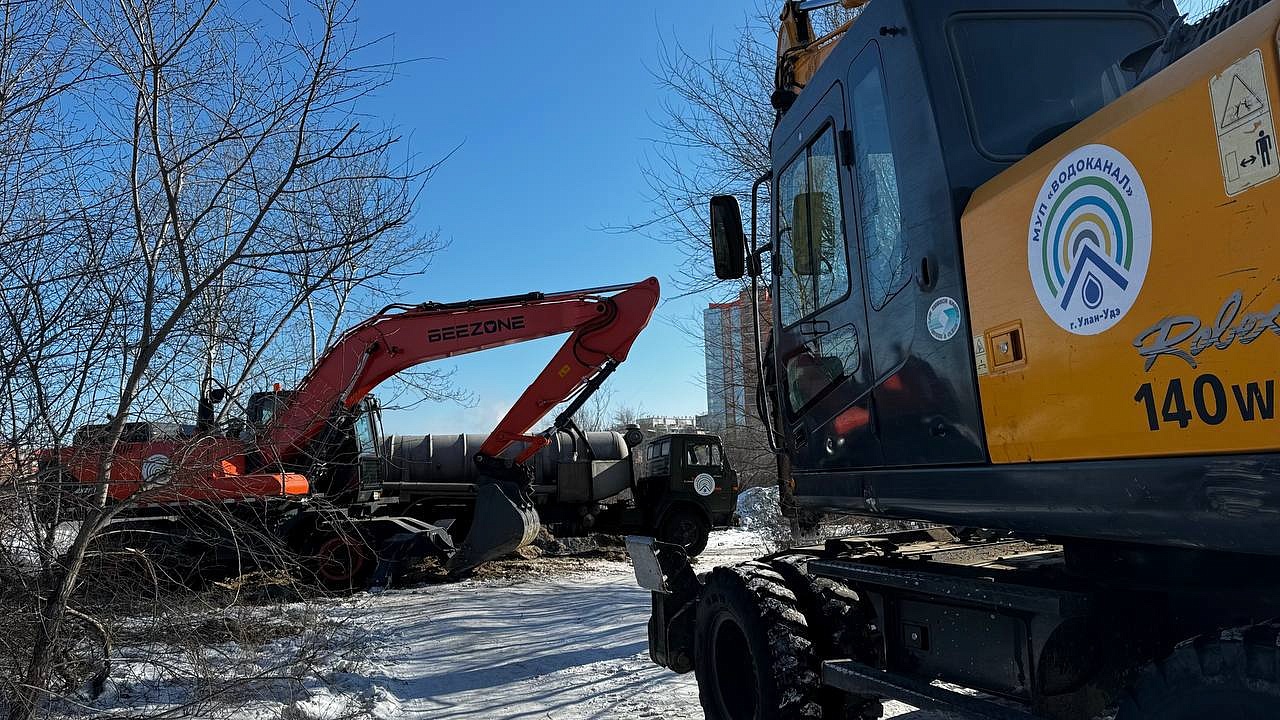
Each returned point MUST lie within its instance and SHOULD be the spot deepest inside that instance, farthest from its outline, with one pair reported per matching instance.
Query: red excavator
(303, 465)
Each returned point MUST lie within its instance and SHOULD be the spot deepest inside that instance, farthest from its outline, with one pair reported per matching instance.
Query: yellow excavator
(1024, 264)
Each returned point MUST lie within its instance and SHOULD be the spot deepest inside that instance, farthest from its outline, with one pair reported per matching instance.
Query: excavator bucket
(504, 519)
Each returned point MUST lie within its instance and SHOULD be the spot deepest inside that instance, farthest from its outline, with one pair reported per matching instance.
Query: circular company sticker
(155, 468)
(1090, 240)
(704, 484)
(943, 319)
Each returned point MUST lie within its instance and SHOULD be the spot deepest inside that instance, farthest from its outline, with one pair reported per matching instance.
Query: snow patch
(572, 646)
(758, 509)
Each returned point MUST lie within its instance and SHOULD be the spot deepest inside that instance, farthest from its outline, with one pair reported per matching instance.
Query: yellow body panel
(1059, 395)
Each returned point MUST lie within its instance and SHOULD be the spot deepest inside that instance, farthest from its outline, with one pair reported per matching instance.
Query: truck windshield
(1027, 77)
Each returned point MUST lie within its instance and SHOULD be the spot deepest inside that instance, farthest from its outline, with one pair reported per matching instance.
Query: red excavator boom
(402, 336)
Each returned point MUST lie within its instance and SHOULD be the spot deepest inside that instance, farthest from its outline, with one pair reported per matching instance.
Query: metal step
(983, 592)
(854, 677)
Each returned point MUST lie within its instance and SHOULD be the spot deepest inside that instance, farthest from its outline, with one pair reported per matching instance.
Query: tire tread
(1243, 659)
(792, 660)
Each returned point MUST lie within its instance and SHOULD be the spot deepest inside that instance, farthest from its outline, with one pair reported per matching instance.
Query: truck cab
(687, 482)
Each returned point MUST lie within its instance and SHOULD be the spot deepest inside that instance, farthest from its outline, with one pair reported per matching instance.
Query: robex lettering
(1186, 336)
(482, 327)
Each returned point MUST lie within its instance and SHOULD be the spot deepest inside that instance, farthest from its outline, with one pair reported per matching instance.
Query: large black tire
(1232, 675)
(753, 656)
(341, 562)
(840, 623)
(686, 527)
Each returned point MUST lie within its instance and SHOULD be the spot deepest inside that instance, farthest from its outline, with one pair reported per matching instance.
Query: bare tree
(714, 131)
(595, 414)
(197, 195)
(624, 415)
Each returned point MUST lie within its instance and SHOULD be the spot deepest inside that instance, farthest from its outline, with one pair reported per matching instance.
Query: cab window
(813, 264)
(883, 246)
(365, 435)
(705, 455)
(823, 363)
(1025, 80)
(264, 410)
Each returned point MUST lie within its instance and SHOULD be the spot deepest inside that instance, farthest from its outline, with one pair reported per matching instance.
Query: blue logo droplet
(1091, 292)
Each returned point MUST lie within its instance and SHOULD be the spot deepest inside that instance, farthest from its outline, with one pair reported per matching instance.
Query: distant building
(653, 426)
(729, 349)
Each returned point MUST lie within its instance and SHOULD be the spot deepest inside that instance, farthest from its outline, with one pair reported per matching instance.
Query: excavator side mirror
(728, 244)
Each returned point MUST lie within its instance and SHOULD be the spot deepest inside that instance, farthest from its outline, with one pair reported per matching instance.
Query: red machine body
(207, 467)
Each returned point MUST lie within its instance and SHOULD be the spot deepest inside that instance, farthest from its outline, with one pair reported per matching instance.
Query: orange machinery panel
(1124, 280)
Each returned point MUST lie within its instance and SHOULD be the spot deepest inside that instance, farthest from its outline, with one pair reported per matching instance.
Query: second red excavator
(303, 466)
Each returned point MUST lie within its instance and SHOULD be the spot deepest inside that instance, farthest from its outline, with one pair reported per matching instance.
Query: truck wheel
(1232, 675)
(687, 528)
(840, 622)
(752, 654)
(343, 562)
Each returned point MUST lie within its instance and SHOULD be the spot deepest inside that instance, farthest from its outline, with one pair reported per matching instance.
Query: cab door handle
(928, 276)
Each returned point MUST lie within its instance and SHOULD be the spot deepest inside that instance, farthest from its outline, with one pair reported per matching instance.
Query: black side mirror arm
(754, 269)
(754, 265)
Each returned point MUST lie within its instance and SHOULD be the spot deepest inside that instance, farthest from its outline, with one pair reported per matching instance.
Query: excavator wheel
(342, 561)
(686, 527)
(841, 624)
(1233, 674)
(753, 654)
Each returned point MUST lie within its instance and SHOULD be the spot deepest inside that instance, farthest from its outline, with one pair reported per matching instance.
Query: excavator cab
(917, 106)
(343, 462)
(353, 471)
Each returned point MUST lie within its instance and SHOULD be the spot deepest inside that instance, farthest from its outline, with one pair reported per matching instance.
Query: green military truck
(685, 487)
(677, 487)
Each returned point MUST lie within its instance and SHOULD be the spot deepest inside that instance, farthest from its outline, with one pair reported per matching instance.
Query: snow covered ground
(563, 647)
(553, 639)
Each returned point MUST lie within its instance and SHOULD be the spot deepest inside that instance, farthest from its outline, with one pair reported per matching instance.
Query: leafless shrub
(192, 192)
(200, 658)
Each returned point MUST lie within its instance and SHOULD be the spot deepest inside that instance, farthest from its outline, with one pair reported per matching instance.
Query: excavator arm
(800, 51)
(601, 327)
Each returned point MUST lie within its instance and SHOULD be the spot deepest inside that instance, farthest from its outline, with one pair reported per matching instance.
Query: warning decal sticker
(1242, 116)
(980, 355)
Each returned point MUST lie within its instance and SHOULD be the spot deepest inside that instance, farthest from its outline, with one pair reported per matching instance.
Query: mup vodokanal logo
(1090, 240)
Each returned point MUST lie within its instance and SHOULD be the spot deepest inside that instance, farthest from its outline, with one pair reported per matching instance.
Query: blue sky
(552, 105)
